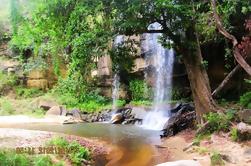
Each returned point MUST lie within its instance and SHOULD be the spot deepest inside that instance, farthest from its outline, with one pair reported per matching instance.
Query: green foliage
(120, 103)
(42, 161)
(24, 92)
(77, 151)
(6, 107)
(9, 158)
(59, 142)
(245, 100)
(7, 81)
(122, 56)
(234, 134)
(204, 64)
(216, 159)
(218, 122)
(139, 90)
(176, 93)
(201, 137)
(141, 102)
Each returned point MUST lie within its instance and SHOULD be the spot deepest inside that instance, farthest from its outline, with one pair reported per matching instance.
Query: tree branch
(238, 57)
(226, 80)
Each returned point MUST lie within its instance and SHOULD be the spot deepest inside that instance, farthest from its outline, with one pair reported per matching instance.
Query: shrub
(10, 158)
(6, 107)
(139, 90)
(120, 103)
(217, 122)
(77, 151)
(6, 81)
(245, 100)
(28, 92)
(216, 159)
(42, 161)
(141, 102)
(59, 142)
(234, 134)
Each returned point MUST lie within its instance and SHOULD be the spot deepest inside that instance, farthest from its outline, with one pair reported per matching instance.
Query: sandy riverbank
(15, 138)
(237, 154)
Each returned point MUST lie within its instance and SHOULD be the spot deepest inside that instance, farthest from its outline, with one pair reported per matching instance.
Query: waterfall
(116, 79)
(115, 91)
(162, 61)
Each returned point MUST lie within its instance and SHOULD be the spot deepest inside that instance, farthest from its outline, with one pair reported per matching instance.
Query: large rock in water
(117, 118)
(181, 163)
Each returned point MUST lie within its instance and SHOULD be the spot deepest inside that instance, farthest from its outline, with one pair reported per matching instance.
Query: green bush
(9, 158)
(7, 81)
(42, 161)
(139, 90)
(73, 93)
(6, 107)
(234, 134)
(59, 142)
(216, 159)
(245, 100)
(28, 92)
(77, 151)
(141, 102)
(120, 103)
(218, 122)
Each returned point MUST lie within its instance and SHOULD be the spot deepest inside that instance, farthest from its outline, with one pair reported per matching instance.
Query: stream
(138, 145)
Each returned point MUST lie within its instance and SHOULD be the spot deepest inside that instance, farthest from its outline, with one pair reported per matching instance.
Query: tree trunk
(199, 84)
(198, 78)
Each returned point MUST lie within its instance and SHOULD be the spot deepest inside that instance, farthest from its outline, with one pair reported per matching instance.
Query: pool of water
(136, 145)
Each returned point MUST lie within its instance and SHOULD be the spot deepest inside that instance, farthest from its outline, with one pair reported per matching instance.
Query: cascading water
(116, 79)
(115, 91)
(162, 61)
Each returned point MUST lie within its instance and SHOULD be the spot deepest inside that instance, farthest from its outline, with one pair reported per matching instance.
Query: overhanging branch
(237, 55)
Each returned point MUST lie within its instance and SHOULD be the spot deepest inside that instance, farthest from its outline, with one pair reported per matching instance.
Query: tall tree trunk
(198, 78)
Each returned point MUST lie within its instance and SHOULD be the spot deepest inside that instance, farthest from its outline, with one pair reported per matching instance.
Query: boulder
(245, 115)
(244, 131)
(76, 114)
(46, 104)
(117, 118)
(181, 163)
(54, 111)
